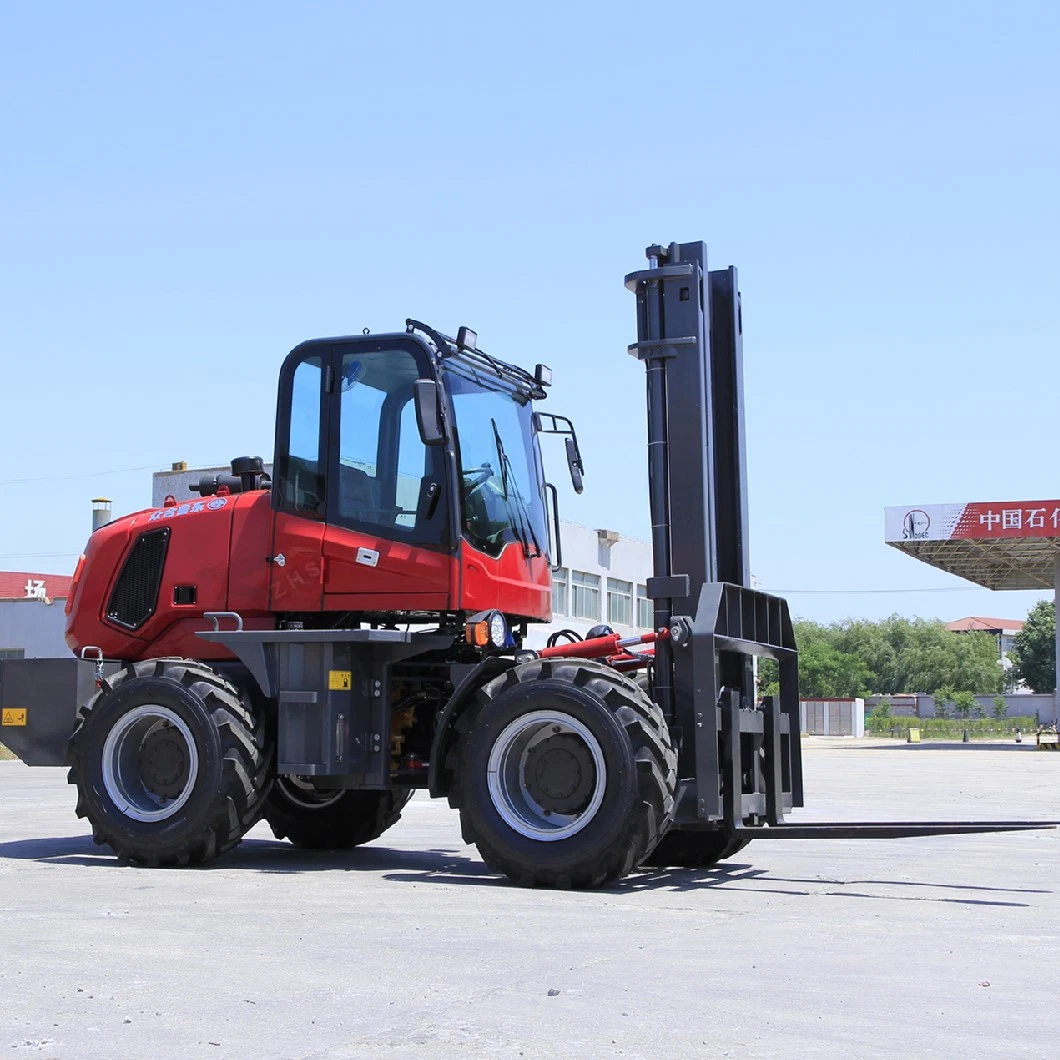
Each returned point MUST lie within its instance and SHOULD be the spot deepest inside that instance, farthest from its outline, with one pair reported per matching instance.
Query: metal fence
(832, 717)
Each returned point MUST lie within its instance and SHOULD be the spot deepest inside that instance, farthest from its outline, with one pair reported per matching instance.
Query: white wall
(35, 627)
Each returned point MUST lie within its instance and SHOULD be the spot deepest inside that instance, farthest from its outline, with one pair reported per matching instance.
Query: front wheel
(565, 774)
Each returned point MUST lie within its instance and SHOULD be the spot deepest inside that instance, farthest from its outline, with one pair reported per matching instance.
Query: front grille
(135, 594)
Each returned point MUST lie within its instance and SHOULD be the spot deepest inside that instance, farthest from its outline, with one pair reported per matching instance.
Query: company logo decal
(915, 525)
(174, 511)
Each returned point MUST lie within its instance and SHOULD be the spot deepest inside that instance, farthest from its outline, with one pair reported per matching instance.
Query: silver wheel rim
(123, 777)
(301, 792)
(507, 778)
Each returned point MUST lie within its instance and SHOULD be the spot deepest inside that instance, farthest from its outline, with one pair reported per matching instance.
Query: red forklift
(315, 647)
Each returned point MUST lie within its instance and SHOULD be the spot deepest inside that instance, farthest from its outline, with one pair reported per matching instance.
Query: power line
(79, 475)
(865, 592)
(38, 555)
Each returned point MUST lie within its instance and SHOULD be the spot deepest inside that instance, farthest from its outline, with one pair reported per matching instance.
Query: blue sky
(191, 191)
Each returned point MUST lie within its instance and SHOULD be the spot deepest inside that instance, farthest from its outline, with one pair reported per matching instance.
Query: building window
(12, 653)
(585, 595)
(619, 602)
(559, 591)
(645, 608)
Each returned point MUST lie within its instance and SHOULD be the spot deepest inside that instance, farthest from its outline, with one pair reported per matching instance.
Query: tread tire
(234, 761)
(691, 849)
(696, 849)
(641, 764)
(357, 817)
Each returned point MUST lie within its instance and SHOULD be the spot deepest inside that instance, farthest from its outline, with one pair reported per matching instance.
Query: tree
(859, 657)
(1000, 707)
(943, 697)
(1034, 653)
(963, 704)
(826, 672)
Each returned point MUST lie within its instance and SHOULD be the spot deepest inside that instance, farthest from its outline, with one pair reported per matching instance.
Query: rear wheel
(565, 774)
(170, 763)
(318, 819)
(696, 849)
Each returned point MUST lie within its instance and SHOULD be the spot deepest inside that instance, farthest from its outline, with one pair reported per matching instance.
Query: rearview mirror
(428, 412)
(574, 462)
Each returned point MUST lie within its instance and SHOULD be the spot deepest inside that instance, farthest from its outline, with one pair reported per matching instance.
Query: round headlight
(498, 630)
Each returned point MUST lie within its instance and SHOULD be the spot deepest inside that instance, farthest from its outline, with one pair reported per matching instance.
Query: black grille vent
(135, 593)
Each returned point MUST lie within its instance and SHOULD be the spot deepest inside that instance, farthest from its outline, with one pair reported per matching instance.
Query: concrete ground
(922, 947)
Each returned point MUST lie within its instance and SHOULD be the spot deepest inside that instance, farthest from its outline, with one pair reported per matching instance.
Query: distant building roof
(988, 625)
(26, 585)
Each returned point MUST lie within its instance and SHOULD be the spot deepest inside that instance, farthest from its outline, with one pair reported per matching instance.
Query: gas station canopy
(997, 544)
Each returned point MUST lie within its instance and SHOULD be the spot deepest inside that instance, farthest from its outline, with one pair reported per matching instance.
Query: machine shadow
(269, 856)
(261, 855)
(451, 868)
(61, 850)
(735, 877)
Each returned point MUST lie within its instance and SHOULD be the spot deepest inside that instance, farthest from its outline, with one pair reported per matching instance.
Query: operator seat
(358, 495)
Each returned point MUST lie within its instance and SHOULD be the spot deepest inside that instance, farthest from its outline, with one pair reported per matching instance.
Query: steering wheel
(480, 476)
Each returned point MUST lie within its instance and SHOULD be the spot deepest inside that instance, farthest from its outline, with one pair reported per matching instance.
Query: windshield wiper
(501, 455)
(522, 510)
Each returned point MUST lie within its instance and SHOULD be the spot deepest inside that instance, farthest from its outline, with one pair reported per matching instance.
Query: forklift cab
(408, 478)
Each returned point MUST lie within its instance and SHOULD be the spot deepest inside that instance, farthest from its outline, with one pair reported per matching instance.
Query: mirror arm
(557, 560)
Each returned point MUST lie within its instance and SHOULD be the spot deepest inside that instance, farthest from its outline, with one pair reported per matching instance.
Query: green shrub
(949, 728)
(963, 704)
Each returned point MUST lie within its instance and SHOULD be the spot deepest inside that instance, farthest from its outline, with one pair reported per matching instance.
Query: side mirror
(574, 462)
(428, 412)
(549, 423)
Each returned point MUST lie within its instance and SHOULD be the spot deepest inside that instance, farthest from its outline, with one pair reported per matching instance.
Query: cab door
(299, 495)
(386, 542)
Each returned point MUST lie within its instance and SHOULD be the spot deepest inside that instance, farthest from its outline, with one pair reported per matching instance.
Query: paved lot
(928, 947)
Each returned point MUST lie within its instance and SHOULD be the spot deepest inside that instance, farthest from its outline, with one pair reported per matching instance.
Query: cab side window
(382, 462)
(300, 470)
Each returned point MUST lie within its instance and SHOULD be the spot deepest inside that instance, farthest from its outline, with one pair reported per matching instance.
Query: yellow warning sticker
(338, 680)
(16, 716)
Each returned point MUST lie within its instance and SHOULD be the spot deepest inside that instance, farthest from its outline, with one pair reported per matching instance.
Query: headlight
(498, 630)
(489, 629)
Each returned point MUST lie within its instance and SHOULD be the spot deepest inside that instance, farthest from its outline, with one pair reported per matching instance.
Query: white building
(32, 618)
(602, 580)
(1003, 630)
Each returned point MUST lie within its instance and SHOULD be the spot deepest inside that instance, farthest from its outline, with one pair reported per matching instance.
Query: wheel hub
(150, 763)
(164, 763)
(559, 774)
(546, 775)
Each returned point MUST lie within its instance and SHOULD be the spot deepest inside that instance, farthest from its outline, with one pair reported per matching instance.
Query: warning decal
(340, 680)
(14, 716)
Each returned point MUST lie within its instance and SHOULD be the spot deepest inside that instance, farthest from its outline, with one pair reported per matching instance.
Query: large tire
(699, 849)
(564, 774)
(696, 849)
(331, 820)
(171, 763)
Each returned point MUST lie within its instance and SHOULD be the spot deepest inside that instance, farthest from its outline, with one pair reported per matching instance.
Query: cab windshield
(500, 484)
